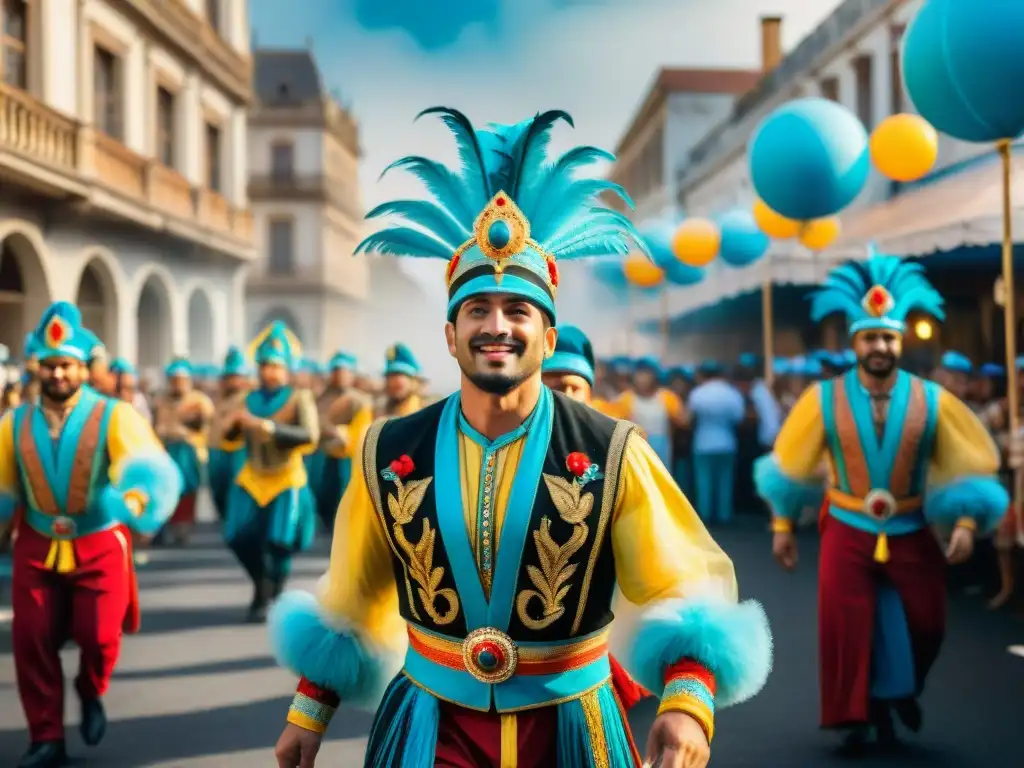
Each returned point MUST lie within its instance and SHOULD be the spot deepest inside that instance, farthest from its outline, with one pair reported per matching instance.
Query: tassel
(509, 741)
(61, 557)
(882, 548)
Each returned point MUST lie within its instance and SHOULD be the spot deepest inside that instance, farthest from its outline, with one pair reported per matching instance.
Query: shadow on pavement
(167, 620)
(199, 670)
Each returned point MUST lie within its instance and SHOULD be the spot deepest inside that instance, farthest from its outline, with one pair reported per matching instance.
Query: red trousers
(88, 605)
(185, 512)
(848, 580)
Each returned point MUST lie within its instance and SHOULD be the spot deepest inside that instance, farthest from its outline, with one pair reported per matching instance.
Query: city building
(852, 57)
(304, 162)
(123, 160)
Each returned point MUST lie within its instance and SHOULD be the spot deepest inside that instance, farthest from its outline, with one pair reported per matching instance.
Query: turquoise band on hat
(43, 352)
(878, 324)
(510, 285)
(404, 369)
(274, 358)
(565, 362)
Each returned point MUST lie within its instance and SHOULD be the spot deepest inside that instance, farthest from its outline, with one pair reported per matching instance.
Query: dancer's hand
(784, 549)
(678, 741)
(961, 545)
(297, 747)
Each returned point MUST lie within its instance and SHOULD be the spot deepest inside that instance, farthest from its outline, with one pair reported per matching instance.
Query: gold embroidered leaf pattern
(573, 506)
(552, 578)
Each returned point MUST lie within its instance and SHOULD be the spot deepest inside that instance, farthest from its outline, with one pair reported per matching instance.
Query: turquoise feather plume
(565, 213)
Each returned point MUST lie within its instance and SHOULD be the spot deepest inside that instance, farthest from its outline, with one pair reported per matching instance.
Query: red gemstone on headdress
(877, 298)
(500, 202)
(56, 332)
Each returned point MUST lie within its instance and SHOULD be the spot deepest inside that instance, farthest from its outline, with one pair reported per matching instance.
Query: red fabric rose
(577, 463)
(403, 466)
(553, 272)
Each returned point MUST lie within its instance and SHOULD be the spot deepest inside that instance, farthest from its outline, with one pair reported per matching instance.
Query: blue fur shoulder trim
(8, 506)
(302, 641)
(734, 641)
(154, 475)
(786, 497)
(982, 498)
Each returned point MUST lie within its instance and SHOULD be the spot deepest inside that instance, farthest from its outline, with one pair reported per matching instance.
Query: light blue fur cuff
(786, 497)
(981, 498)
(158, 479)
(733, 640)
(303, 641)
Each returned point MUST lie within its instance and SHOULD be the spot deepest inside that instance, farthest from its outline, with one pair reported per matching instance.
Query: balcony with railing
(284, 186)
(33, 131)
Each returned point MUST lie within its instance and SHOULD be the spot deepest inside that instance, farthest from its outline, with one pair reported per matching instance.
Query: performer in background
(126, 386)
(83, 466)
(345, 415)
(652, 407)
(183, 417)
(904, 454)
(718, 409)
(227, 456)
(542, 505)
(403, 381)
(271, 514)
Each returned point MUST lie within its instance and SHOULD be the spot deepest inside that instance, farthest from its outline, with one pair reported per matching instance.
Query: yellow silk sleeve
(129, 434)
(360, 585)
(9, 484)
(353, 432)
(963, 447)
(662, 549)
(800, 445)
(673, 405)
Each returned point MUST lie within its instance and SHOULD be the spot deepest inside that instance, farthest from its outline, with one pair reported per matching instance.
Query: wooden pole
(767, 322)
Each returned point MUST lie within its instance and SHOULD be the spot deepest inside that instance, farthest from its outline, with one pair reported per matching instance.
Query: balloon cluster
(811, 158)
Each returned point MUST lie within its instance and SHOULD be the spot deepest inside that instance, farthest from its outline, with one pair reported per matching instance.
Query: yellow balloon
(641, 271)
(904, 147)
(819, 234)
(774, 224)
(697, 242)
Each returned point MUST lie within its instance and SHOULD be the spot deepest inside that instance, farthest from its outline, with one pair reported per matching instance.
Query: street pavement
(197, 687)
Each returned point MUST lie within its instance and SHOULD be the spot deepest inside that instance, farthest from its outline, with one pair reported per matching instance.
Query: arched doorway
(285, 316)
(24, 294)
(97, 298)
(154, 332)
(200, 327)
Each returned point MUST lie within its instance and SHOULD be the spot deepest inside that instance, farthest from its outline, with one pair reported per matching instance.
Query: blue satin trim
(91, 522)
(880, 456)
(901, 524)
(263, 404)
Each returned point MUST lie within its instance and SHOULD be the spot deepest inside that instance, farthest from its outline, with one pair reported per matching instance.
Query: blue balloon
(963, 64)
(743, 242)
(809, 159)
(658, 237)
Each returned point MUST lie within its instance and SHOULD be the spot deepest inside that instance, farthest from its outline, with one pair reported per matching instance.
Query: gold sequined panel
(552, 580)
(849, 442)
(915, 421)
(403, 506)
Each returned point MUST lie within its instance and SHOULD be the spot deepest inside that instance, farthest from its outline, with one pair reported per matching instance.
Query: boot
(44, 754)
(881, 719)
(258, 608)
(909, 713)
(94, 721)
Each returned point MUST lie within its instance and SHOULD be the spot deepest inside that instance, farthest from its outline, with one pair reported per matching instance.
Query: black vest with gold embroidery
(566, 572)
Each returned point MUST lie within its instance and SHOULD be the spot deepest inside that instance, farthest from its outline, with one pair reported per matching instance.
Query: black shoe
(885, 729)
(258, 607)
(44, 754)
(855, 741)
(909, 713)
(94, 721)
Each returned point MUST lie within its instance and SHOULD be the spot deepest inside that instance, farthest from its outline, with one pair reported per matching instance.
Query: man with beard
(345, 414)
(83, 466)
(904, 454)
(485, 535)
(271, 513)
(227, 456)
(403, 379)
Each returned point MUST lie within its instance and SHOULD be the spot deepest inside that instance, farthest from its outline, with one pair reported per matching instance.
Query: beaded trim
(309, 713)
(690, 688)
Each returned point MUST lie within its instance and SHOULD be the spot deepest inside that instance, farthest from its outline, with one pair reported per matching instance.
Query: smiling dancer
(903, 454)
(477, 551)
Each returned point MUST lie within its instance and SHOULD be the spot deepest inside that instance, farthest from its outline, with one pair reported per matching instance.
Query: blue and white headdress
(508, 214)
(877, 294)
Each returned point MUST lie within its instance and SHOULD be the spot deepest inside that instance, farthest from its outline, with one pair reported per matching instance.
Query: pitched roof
(286, 77)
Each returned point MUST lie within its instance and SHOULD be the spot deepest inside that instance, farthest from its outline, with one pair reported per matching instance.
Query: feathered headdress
(877, 294)
(508, 214)
(275, 344)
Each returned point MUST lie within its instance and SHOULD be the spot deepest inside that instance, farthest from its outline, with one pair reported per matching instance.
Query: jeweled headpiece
(877, 294)
(506, 217)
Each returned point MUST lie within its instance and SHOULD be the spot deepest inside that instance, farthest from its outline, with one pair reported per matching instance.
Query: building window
(897, 69)
(830, 88)
(165, 126)
(213, 14)
(865, 101)
(14, 41)
(282, 253)
(282, 160)
(107, 93)
(213, 157)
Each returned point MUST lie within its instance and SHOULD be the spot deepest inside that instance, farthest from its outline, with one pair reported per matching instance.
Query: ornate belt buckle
(880, 504)
(490, 655)
(62, 528)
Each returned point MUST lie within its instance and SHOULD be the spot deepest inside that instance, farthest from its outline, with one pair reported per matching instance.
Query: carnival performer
(903, 454)
(271, 514)
(183, 417)
(345, 414)
(477, 552)
(227, 456)
(83, 467)
(403, 381)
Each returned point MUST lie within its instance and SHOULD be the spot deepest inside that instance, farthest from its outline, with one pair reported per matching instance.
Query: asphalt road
(197, 688)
